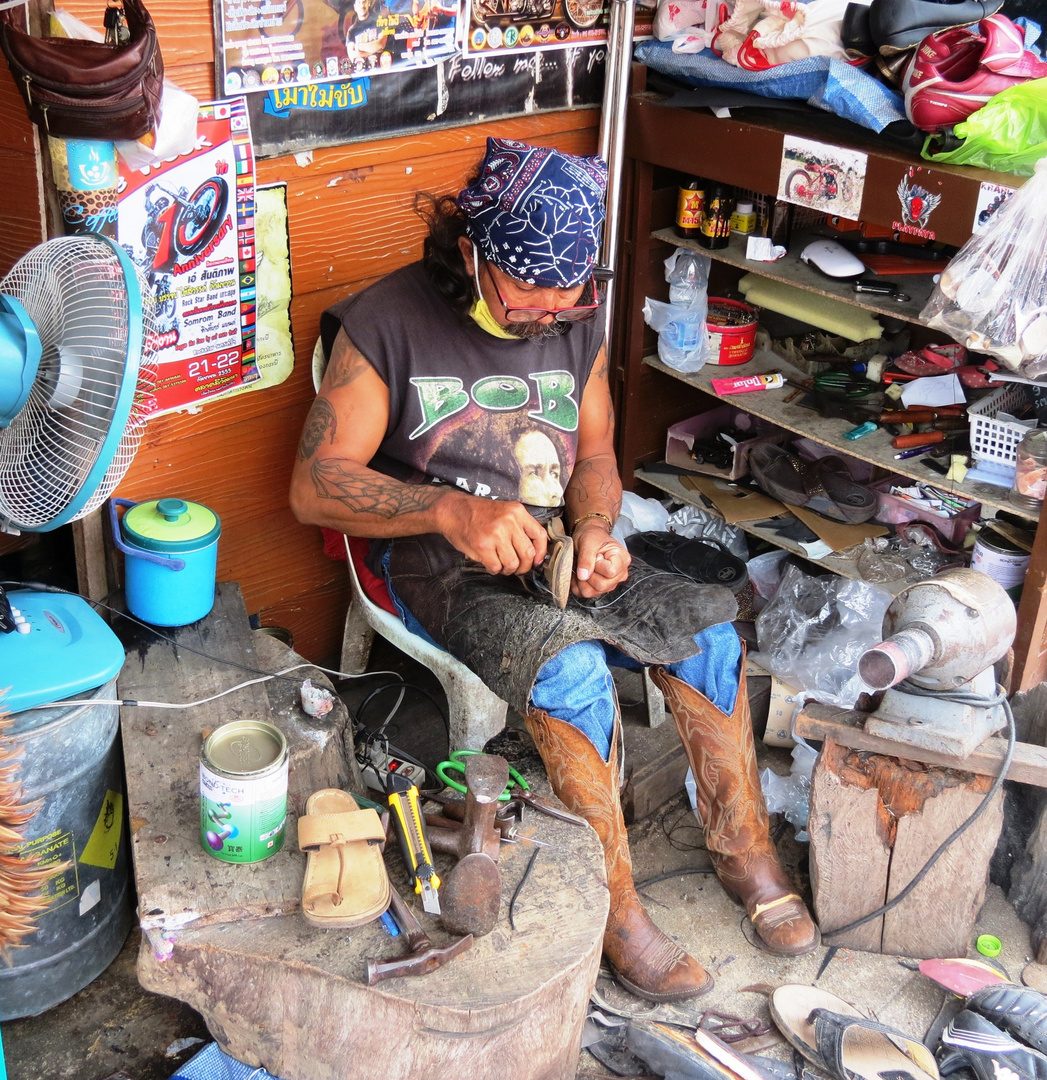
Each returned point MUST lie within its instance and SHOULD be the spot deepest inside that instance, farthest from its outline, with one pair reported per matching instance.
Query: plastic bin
(997, 440)
(891, 510)
(681, 437)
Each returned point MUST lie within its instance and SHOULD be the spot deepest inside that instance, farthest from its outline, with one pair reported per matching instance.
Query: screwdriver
(414, 842)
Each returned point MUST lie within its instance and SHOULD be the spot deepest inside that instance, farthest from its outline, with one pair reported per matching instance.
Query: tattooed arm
(601, 563)
(332, 485)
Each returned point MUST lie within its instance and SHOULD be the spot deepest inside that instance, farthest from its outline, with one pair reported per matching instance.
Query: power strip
(379, 765)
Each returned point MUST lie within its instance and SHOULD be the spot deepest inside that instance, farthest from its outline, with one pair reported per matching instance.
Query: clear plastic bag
(814, 630)
(680, 324)
(992, 297)
(791, 795)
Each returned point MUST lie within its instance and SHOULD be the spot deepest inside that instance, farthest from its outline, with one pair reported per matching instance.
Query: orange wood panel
(22, 220)
(319, 616)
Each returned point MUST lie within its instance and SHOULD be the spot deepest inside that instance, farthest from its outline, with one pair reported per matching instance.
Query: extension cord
(379, 765)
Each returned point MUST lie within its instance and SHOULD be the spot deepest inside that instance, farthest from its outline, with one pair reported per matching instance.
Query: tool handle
(917, 438)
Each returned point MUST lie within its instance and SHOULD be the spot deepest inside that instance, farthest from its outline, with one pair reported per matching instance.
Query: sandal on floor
(559, 562)
(836, 1038)
(971, 1041)
(700, 558)
(345, 879)
(963, 975)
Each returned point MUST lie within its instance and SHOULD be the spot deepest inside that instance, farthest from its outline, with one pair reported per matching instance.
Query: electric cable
(978, 701)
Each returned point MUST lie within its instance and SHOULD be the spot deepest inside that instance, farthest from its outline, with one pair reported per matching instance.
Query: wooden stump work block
(874, 822)
(279, 992)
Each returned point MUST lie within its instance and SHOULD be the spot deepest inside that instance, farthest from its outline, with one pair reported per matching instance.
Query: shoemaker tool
(473, 890)
(422, 957)
(517, 790)
(414, 841)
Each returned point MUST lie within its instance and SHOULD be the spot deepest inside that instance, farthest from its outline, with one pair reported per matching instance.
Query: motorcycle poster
(188, 225)
(827, 178)
(513, 26)
(266, 44)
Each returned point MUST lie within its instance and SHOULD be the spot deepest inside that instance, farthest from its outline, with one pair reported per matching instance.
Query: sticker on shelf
(990, 198)
(917, 203)
(827, 178)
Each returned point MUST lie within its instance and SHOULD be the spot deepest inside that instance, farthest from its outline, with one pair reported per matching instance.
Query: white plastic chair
(475, 713)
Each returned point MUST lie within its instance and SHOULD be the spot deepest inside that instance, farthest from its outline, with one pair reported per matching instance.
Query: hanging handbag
(85, 89)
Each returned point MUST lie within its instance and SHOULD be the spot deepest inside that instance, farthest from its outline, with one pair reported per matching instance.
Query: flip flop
(963, 975)
(971, 1041)
(700, 558)
(834, 1036)
(345, 879)
(824, 486)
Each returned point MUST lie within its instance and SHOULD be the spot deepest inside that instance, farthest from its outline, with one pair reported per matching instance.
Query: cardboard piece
(732, 503)
(835, 533)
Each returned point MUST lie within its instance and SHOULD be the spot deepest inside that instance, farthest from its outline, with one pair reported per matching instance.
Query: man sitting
(466, 406)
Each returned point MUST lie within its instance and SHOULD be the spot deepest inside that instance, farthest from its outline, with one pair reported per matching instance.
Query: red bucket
(731, 331)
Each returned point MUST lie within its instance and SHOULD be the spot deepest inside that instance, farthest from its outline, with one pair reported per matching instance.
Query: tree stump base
(874, 822)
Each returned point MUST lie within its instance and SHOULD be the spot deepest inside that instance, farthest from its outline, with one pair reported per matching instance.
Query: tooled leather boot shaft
(647, 961)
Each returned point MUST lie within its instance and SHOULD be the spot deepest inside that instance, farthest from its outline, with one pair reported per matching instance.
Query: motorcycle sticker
(827, 178)
(918, 203)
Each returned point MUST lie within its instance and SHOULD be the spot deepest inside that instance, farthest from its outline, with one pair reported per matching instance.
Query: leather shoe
(895, 25)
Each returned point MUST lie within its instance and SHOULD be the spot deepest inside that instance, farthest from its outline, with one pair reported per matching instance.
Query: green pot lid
(171, 525)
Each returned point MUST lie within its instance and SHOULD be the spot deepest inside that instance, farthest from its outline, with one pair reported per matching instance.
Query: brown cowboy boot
(734, 815)
(645, 960)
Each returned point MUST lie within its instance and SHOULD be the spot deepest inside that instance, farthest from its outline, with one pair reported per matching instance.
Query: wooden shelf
(793, 271)
(875, 448)
(846, 567)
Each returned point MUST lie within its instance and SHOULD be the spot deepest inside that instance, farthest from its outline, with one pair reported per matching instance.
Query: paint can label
(1006, 568)
(243, 800)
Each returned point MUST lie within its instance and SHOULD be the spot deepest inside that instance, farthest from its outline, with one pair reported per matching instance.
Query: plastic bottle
(689, 202)
(743, 220)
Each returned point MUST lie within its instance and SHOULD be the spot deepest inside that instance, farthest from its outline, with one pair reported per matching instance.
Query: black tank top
(495, 417)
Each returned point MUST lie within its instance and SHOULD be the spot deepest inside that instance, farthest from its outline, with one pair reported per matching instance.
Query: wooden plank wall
(350, 223)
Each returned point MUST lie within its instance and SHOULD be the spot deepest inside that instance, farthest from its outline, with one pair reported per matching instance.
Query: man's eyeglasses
(592, 297)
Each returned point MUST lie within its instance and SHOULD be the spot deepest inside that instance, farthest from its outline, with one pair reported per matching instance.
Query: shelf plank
(845, 726)
(876, 448)
(793, 271)
(671, 485)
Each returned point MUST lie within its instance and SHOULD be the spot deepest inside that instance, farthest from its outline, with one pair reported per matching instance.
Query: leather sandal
(559, 562)
(701, 558)
(346, 883)
(824, 486)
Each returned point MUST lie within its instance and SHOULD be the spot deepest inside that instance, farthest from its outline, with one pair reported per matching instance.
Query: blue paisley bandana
(536, 213)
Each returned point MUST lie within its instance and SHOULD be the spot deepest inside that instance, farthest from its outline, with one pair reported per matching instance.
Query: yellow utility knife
(405, 804)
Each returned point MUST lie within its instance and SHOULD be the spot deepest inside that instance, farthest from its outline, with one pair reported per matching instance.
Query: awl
(405, 805)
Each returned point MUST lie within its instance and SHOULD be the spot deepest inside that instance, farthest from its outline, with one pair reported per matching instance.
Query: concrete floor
(113, 1029)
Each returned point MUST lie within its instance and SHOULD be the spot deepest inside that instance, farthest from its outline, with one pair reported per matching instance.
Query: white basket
(997, 440)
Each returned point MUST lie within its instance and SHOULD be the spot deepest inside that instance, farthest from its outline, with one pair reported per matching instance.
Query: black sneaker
(971, 1041)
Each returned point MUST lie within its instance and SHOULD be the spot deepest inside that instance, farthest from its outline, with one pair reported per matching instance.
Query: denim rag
(821, 81)
(536, 213)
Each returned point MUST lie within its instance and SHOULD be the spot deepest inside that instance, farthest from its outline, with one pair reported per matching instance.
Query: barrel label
(103, 845)
(54, 848)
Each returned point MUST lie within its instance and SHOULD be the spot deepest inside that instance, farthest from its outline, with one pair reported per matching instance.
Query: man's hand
(600, 562)
(501, 535)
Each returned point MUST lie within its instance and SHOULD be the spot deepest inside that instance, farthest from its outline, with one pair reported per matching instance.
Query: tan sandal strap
(762, 909)
(316, 830)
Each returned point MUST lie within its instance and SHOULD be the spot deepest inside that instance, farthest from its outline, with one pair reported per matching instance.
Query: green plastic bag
(1008, 133)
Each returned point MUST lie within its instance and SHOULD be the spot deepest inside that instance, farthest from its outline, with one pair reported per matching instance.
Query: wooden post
(874, 822)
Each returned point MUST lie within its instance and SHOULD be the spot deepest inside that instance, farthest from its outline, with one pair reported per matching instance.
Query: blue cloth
(536, 213)
(825, 83)
(576, 686)
(212, 1064)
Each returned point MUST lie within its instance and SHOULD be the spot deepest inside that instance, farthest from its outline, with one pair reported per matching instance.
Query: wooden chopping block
(874, 822)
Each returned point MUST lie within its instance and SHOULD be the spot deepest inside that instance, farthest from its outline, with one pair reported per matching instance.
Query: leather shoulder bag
(85, 89)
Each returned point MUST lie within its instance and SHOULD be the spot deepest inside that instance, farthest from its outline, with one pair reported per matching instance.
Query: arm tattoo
(370, 493)
(320, 426)
(347, 364)
(590, 483)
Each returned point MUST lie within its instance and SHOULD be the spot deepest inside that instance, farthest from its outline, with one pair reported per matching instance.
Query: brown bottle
(690, 200)
(715, 230)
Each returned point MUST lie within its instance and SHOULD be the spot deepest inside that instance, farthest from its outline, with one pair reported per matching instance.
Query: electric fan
(76, 373)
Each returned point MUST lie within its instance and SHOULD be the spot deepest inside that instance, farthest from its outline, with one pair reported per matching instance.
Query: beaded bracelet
(594, 514)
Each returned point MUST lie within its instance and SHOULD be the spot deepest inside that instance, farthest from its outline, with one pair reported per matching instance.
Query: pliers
(517, 794)
(843, 383)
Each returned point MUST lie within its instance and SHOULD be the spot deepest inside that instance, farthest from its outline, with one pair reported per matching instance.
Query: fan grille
(75, 291)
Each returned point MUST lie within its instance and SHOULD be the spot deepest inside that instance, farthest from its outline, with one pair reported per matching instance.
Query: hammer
(423, 957)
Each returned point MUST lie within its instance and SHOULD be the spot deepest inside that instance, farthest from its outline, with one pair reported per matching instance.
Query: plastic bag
(791, 795)
(680, 324)
(815, 629)
(639, 515)
(764, 33)
(1008, 133)
(992, 297)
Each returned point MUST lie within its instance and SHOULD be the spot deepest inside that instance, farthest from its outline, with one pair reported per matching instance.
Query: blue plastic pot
(170, 551)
